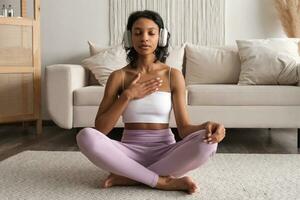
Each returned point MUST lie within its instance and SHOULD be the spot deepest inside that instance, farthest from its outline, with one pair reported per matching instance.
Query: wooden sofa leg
(298, 136)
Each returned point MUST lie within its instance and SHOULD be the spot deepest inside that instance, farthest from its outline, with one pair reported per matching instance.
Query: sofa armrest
(61, 81)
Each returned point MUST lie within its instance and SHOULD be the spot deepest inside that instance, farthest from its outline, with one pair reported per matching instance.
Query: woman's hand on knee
(215, 132)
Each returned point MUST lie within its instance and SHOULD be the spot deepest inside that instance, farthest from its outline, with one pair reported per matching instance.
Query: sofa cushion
(235, 95)
(105, 62)
(88, 96)
(273, 61)
(211, 65)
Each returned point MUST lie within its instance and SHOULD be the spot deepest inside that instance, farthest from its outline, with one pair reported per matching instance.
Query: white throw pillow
(267, 61)
(176, 56)
(211, 65)
(105, 62)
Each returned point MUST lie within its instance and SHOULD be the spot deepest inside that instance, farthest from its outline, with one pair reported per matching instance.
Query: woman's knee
(87, 136)
(202, 148)
(83, 134)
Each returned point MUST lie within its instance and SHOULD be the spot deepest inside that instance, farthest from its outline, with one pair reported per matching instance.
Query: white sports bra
(153, 108)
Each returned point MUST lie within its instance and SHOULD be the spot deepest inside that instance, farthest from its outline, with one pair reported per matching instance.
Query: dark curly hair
(161, 53)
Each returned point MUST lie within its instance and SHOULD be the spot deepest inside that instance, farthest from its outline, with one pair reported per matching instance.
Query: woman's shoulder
(176, 78)
(174, 72)
(171, 68)
(115, 80)
(119, 72)
(116, 76)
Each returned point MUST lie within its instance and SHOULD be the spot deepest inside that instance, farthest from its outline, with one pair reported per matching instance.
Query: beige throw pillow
(94, 49)
(105, 62)
(211, 65)
(268, 61)
(290, 73)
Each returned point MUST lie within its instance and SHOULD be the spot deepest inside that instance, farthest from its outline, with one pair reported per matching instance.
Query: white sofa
(73, 102)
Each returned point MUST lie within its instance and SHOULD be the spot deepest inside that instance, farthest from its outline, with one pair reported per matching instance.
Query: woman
(144, 92)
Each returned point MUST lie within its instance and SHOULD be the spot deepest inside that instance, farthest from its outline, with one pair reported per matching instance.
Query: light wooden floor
(15, 139)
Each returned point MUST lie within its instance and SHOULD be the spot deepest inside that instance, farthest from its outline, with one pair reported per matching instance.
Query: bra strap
(170, 78)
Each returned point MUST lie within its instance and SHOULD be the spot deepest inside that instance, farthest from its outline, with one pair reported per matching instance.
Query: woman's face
(145, 35)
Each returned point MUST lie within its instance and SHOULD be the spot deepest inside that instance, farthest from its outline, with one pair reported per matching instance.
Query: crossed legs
(104, 153)
(115, 157)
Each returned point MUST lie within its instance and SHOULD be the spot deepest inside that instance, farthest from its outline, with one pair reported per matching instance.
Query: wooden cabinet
(20, 66)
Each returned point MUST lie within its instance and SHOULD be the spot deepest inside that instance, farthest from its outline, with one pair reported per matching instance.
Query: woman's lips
(145, 46)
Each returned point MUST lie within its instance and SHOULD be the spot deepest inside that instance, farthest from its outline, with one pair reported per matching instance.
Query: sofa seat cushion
(246, 95)
(88, 96)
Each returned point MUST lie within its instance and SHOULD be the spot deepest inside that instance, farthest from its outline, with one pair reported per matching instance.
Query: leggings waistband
(137, 136)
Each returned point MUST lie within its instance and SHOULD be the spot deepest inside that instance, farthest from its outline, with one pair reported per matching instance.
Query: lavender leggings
(144, 155)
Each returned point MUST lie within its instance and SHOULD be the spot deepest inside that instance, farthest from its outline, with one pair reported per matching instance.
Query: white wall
(67, 25)
(65, 28)
(246, 19)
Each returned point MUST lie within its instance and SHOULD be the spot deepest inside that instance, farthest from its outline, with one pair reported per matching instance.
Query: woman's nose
(144, 37)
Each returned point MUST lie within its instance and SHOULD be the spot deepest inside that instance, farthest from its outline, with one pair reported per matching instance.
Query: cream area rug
(69, 175)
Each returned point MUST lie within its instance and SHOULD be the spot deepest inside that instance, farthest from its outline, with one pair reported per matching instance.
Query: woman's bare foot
(113, 180)
(170, 183)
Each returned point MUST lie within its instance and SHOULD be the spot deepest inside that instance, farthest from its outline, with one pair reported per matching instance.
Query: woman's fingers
(151, 86)
(210, 140)
(216, 137)
(150, 90)
(142, 89)
(209, 129)
(152, 82)
(155, 82)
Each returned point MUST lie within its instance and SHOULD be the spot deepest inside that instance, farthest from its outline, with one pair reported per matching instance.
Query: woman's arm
(184, 126)
(179, 105)
(112, 107)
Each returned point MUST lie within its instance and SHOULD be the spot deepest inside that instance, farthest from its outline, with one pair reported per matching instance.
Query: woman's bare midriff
(146, 126)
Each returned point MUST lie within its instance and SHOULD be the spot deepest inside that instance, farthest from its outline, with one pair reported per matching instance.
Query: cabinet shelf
(21, 21)
(17, 118)
(20, 68)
